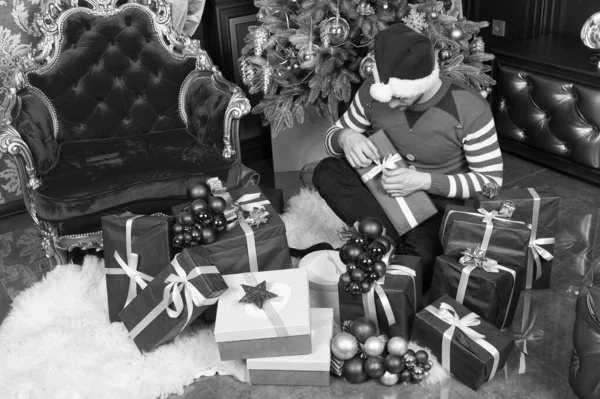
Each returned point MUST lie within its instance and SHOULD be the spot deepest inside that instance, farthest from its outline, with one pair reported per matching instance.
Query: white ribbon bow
(388, 163)
(535, 244)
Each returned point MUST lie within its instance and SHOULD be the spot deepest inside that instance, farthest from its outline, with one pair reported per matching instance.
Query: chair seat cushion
(94, 176)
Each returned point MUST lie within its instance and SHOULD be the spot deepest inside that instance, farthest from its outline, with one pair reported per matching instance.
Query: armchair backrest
(114, 74)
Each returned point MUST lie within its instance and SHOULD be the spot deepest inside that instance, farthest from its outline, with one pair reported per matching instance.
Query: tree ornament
(366, 66)
(178, 240)
(201, 216)
(371, 228)
(351, 266)
(198, 205)
(366, 261)
(198, 190)
(187, 238)
(337, 29)
(477, 45)
(409, 360)
(387, 241)
(385, 6)
(196, 235)
(308, 52)
(354, 288)
(344, 346)
(217, 204)
(417, 373)
(267, 74)
(345, 279)
(177, 228)
(374, 367)
(366, 286)
(448, 5)
(260, 16)
(405, 375)
(208, 235)
(456, 34)
(260, 38)
(445, 54)
(393, 364)
(357, 275)
(380, 268)
(415, 20)
(220, 223)
(389, 379)
(351, 252)
(433, 15)
(247, 71)
(376, 249)
(359, 239)
(422, 356)
(187, 218)
(373, 346)
(365, 9)
(485, 91)
(353, 370)
(397, 346)
(362, 328)
(257, 295)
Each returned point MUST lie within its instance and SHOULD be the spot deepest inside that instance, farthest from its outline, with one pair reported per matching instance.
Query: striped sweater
(452, 136)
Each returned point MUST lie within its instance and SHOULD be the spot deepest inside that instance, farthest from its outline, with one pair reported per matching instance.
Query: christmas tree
(317, 52)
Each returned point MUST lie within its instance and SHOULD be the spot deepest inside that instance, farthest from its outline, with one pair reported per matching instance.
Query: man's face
(403, 103)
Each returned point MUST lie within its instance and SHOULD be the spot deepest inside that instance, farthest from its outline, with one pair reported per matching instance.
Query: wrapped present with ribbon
(310, 370)
(405, 213)
(538, 208)
(264, 314)
(258, 241)
(504, 240)
(528, 332)
(482, 285)
(174, 299)
(470, 348)
(136, 249)
(393, 300)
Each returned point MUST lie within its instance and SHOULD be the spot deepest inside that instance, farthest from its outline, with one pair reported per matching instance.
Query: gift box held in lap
(311, 369)
(470, 348)
(537, 207)
(392, 301)
(264, 314)
(405, 213)
(482, 285)
(235, 250)
(503, 240)
(136, 249)
(175, 298)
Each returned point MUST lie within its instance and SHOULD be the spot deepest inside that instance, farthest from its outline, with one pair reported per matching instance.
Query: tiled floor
(541, 374)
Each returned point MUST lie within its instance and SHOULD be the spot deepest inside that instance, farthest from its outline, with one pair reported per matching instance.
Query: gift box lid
(324, 269)
(321, 330)
(469, 215)
(237, 321)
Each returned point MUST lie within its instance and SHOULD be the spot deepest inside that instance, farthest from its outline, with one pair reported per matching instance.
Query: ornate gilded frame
(45, 54)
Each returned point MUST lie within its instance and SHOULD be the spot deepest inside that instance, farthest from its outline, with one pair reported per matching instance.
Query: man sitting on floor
(444, 130)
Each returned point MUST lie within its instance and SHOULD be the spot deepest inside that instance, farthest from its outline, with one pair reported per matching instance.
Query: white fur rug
(57, 342)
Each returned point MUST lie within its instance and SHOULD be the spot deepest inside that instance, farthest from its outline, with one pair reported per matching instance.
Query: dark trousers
(341, 187)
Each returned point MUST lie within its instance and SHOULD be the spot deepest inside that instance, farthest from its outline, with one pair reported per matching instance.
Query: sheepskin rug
(57, 341)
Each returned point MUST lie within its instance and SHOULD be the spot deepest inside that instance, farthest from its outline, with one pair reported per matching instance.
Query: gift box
(245, 248)
(393, 300)
(537, 207)
(503, 240)
(281, 327)
(324, 269)
(470, 348)
(175, 298)
(527, 334)
(405, 213)
(312, 369)
(136, 249)
(490, 290)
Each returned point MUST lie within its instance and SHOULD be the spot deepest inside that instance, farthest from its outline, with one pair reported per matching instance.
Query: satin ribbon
(489, 265)
(488, 219)
(130, 267)
(369, 298)
(269, 310)
(448, 315)
(248, 232)
(333, 287)
(535, 244)
(172, 294)
(527, 334)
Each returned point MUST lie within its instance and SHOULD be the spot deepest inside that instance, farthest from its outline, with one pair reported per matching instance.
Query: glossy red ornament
(198, 190)
(374, 367)
(350, 266)
(187, 218)
(380, 268)
(359, 240)
(177, 228)
(363, 328)
(366, 286)
(219, 223)
(352, 252)
(217, 204)
(376, 249)
(357, 275)
(366, 261)
(197, 205)
(353, 370)
(371, 228)
(393, 364)
(208, 235)
(387, 241)
(405, 375)
(345, 279)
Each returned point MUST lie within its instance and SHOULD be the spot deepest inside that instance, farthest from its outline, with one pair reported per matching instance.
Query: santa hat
(405, 64)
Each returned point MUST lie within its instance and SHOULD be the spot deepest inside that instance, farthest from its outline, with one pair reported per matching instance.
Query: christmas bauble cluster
(200, 221)
(367, 355)
(362, 255)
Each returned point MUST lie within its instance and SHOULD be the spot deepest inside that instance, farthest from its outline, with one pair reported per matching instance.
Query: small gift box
(393, 300)
(312, 369)
(480, 284)
(538, 208)
(504, 240)
(136, 249)
(250, 248)
(470, 348)
(175, 298)
(405, 213)
(264, 314)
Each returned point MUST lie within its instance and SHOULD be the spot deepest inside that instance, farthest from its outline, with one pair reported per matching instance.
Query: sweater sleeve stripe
(330, 148)
(465, 193)
(359, 112)
(482, 144)
(354, 118)
(453, 188)
(484, 158)
(481, 132)
(475, 180)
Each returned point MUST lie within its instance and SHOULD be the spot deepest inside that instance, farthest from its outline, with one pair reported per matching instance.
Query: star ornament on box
(257, 295)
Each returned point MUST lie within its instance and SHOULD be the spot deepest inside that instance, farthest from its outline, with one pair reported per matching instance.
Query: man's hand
(359, 150)
(401, 182)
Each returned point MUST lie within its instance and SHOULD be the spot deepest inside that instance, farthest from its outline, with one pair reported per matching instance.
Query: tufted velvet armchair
(116, 111)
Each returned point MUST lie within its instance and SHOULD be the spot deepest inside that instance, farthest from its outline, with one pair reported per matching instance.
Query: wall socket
(498, 27)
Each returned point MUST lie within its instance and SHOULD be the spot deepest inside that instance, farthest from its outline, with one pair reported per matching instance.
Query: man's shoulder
(468, 101)
(364, 91)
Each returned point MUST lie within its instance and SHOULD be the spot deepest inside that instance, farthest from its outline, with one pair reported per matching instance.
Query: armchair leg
(49, 237)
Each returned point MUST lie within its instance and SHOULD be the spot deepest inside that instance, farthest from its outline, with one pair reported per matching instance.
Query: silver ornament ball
(397, 346)
(389, 379)
(344, 346)
(373, 346)
(456, 34)
(409, 360)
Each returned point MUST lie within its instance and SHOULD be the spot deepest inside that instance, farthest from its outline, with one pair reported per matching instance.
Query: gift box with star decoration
(258, 243)
(264, 314)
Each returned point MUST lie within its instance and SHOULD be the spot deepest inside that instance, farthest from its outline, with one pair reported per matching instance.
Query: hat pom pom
(381, 92)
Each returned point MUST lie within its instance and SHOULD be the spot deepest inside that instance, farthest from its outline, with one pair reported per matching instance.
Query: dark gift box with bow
(470, 348)
(504, 240)
(258, 243)
(537, 207)
(174, 299)
(136, 249)
(392, 302)
(405, 213)
(482, 285)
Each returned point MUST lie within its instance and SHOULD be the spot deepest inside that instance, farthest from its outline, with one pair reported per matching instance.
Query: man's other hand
(359, 150)
(401, 182)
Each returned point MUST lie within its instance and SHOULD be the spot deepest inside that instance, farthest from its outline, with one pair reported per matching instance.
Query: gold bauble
(389, 379)
(344, 346)
(397, 346)
(373, 346)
